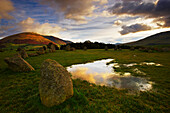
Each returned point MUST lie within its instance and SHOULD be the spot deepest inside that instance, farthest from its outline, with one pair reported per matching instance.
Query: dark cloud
(74, 9)
(159, 11)
(87, 28)
(134, 28)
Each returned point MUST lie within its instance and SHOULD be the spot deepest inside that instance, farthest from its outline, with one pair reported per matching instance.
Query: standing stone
(55, 84)
(115, 48)
(50, 51)
(19, 49)
(106, 48)
(53, 48)
(32, 54)
(1, 50)
(23, 53)
(68, 48)
(18, 64)
(72, 49)
(40, 51)
(45, 48)
(85, 48)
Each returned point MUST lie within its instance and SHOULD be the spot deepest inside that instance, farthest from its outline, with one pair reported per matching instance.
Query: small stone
(40, 51)
(50, 50)
(23, 53)
(32, 54)
(72, 49)
(53, 48)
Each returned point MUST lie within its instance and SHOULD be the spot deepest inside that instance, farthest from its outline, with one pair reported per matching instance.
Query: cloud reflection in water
(101, 74)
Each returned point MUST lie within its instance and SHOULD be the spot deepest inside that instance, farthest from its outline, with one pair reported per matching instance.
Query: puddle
(116, 65)
(136, 70)
(150, 64)
(99, 73)
(130, 65)
(131, 83)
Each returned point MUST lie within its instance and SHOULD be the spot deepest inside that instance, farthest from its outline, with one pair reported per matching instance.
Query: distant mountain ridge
(162, 38)
(32, 38)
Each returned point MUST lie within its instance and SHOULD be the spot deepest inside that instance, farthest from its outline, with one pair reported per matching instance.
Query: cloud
(118, 22)
(159, 10)
(30, 25)
(134, 28)
(6, 7)
(3, 29)
(74, 9)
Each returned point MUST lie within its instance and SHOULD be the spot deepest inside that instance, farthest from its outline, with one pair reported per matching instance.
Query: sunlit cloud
(30, 25)
(118, 22)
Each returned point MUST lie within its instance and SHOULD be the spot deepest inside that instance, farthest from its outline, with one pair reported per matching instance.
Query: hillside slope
(57, 40)
(25, 38)
(162, 38)
(32, 38)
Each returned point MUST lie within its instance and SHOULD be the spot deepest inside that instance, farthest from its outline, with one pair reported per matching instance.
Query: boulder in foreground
(18, 64)
(55, 84)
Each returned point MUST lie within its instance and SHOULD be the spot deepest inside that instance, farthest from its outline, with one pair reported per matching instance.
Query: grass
(19, 91)
(11, 46)
(159, 46)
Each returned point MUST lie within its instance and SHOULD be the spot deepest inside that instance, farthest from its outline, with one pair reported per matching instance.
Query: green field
(19, 91)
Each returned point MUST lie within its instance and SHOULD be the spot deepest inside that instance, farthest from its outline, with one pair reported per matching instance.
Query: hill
(31, 38)
(25, 38)
(57, 40)
(162, 38)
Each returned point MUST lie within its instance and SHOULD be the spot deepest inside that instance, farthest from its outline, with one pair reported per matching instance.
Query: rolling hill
(57, 40)
(32, 38)
(162, 38)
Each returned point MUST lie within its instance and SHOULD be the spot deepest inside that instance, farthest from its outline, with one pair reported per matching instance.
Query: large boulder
(55, 84)
(18, 64)
(23, 53)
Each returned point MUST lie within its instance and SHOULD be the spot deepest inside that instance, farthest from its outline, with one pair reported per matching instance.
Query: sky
(108, 21)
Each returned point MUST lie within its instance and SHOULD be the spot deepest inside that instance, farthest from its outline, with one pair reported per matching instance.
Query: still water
(99, 73)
